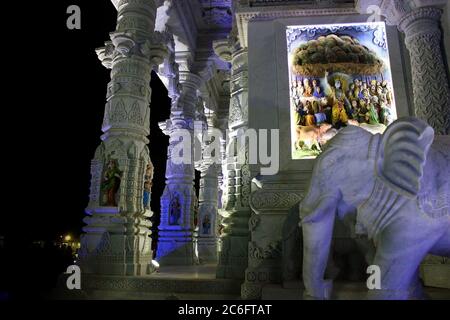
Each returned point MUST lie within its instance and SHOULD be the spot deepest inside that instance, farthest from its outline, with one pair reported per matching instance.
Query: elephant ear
(402, 155)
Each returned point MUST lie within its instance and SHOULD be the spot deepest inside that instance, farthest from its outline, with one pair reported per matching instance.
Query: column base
(264, 273)
(114, 244)
(118, 269)
(251, 291)
(233, 258)
(175, 249)
(113, 256)
(116, 260)
(207, 250)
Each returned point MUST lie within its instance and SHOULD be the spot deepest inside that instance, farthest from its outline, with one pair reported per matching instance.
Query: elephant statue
(354, 251)
(398, 186)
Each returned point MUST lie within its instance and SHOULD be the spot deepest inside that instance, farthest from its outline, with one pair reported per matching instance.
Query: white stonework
(116, 239)
(207, 239)
(175, 243)
(235, 209)
(420, 21)
(225, 65)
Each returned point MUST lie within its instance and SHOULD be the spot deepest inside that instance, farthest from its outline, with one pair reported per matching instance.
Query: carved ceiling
(255, 3)
(216, 14)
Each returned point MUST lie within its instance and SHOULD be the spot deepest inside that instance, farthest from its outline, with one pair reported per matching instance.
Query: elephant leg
(332, 270)
(401, 247)
(416, 288)
(317, 235)
(442, 246)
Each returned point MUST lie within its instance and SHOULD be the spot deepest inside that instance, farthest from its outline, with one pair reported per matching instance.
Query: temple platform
(171, 282)
(341, 291)
(199, 282)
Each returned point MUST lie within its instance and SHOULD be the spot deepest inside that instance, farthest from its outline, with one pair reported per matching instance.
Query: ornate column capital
(135, 36)
(190, 79)
(223, 49)
(394, 10)
(106, 54)
(405, 12)
(154, 47)
(421, 20)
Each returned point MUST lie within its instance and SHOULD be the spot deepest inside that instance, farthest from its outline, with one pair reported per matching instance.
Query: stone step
(294, 291)
(341, 291)
(122, 295)
(151, 288)
(170, 285)
(180, 282)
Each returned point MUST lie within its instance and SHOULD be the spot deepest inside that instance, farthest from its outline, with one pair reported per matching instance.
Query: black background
(52, 112)
(61, 101)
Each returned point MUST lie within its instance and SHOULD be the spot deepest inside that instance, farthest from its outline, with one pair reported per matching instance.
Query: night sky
(63, 98)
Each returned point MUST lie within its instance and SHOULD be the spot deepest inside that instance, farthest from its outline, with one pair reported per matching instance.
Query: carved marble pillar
(221, 175)
(176, 229)
(235, 211)
(207, 220)
(221, 186)
(116, 237)
(430, 83)
(207, 215)
(222, 124)
(423, 37)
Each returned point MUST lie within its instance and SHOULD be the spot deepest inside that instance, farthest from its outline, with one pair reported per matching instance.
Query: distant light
(68, 237)
(155, 264)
